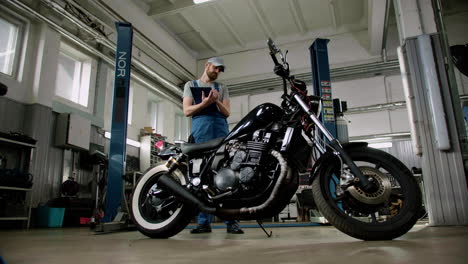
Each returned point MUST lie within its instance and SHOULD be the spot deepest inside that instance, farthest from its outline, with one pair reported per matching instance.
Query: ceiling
(228, 26)
(221, 27)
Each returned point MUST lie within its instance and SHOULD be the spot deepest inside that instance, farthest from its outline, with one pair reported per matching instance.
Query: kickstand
(260, 223)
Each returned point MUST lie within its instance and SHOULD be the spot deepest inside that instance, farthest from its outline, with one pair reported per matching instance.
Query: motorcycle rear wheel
(362, 215)
(155, 212)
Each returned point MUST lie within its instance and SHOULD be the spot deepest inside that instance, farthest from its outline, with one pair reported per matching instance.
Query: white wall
(141, 116)
(357, 93)
(35, 83)
(344, 50)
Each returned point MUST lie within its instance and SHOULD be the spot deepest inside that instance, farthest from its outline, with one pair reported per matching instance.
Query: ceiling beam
(175, 7)
(266, 27)
(376, 25)
(209, 42)
(334, 20)
(221, 14)
(297, 15)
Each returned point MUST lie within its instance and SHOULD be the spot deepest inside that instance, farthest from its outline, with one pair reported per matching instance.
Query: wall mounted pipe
(369, 68)
(141, 37)
(109, 44)
(409, 98)
(431, 83)
(140, 77)
(376, 107)
(137, 35)
(385, 30)
(381, 137)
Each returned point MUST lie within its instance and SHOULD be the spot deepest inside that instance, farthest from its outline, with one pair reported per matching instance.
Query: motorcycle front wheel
(155, 212)
(387, 212)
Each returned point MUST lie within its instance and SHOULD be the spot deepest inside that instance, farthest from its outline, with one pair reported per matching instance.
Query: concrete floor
(315, 244)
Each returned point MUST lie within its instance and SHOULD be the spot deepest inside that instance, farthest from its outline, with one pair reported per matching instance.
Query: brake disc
(380, 195)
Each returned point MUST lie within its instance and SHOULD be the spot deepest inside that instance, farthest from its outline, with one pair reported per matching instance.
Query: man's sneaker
(234, 229)
(201, 229)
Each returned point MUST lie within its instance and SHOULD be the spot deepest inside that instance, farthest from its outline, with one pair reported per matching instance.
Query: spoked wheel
(156, 213)
(387, 212)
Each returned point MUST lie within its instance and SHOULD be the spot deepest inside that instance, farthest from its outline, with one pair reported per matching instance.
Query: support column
(434, 110)
(43, 88)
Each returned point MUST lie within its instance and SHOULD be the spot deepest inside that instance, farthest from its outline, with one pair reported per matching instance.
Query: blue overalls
(206, 126)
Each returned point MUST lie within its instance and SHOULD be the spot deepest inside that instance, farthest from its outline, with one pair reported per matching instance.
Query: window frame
(21, 42)
(79, 55)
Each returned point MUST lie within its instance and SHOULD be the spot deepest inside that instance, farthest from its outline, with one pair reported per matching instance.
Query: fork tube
(322, 128)
(363, 181)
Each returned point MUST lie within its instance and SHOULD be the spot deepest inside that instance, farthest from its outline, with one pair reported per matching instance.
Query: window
(11, 31)
(181, 127)
(154, 109)
(76, 77)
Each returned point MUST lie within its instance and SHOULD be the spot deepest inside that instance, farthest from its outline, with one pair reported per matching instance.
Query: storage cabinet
(15, 193)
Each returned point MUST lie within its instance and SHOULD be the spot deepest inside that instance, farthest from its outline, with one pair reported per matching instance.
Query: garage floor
(313, 244)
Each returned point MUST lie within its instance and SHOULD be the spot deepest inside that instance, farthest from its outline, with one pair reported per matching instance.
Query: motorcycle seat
(189, 148)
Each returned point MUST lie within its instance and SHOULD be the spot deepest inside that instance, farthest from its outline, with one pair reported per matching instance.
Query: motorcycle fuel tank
(260, 117)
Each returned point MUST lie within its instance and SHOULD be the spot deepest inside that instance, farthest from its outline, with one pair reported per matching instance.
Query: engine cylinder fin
(259, 146)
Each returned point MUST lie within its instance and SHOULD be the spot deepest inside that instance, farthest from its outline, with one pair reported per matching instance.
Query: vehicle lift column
(321, 81)
(322, 88)
(117, 152)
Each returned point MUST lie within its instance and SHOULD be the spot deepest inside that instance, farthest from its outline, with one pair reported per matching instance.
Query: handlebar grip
(273, 51)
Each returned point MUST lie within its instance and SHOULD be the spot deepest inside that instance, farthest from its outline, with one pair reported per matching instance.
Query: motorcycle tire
(343, 211)
(155, 212)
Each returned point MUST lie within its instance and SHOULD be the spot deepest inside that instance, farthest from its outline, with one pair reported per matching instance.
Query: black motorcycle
(253, 173)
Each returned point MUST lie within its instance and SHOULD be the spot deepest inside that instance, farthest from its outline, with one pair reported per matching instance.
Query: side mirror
(460, 57)
(3, 89)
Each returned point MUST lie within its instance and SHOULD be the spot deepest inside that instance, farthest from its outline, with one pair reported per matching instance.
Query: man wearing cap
(209, 112)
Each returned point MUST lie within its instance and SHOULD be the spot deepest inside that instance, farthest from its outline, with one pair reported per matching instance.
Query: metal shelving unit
(23, 162)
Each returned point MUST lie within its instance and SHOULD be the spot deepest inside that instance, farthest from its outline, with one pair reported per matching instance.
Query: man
(209, 112)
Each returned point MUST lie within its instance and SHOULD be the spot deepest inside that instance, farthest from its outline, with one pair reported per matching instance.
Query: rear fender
(166, 153)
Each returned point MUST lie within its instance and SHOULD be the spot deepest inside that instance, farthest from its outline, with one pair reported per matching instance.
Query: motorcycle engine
(239, 171)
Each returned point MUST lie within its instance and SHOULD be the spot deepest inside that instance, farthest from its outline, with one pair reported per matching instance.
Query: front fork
(363, 182)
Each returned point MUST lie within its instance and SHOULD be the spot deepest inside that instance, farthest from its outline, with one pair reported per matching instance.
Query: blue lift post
(322, 87)
(321, 80)
(123, 58)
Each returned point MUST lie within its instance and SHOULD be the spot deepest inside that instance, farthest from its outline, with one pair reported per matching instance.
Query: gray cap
(217, 61)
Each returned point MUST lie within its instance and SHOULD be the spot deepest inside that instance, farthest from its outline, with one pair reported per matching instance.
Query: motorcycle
(253, 173)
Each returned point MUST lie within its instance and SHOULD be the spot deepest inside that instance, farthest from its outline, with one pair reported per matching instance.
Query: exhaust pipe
(258, 209)
(188, 197)
(183, 194)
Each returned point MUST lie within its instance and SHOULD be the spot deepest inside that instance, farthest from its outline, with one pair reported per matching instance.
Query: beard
(212, 75)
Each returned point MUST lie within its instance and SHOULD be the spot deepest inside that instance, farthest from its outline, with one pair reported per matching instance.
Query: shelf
(17, 142)
(14, 218)
(15, 188)
(21, 153)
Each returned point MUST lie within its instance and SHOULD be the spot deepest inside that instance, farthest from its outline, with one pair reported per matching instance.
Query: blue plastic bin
(50, 217)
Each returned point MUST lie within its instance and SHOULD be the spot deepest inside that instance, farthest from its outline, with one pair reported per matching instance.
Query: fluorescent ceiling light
(382, 145)
(201, 1)
(129, 141)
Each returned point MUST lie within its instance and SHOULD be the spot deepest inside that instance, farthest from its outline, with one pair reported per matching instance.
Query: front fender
(329, 157)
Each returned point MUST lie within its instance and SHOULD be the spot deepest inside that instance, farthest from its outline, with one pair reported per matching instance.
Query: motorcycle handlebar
(279, 69)
(273, 51)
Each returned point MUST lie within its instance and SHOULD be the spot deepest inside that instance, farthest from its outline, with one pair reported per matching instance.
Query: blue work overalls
(207, 126)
